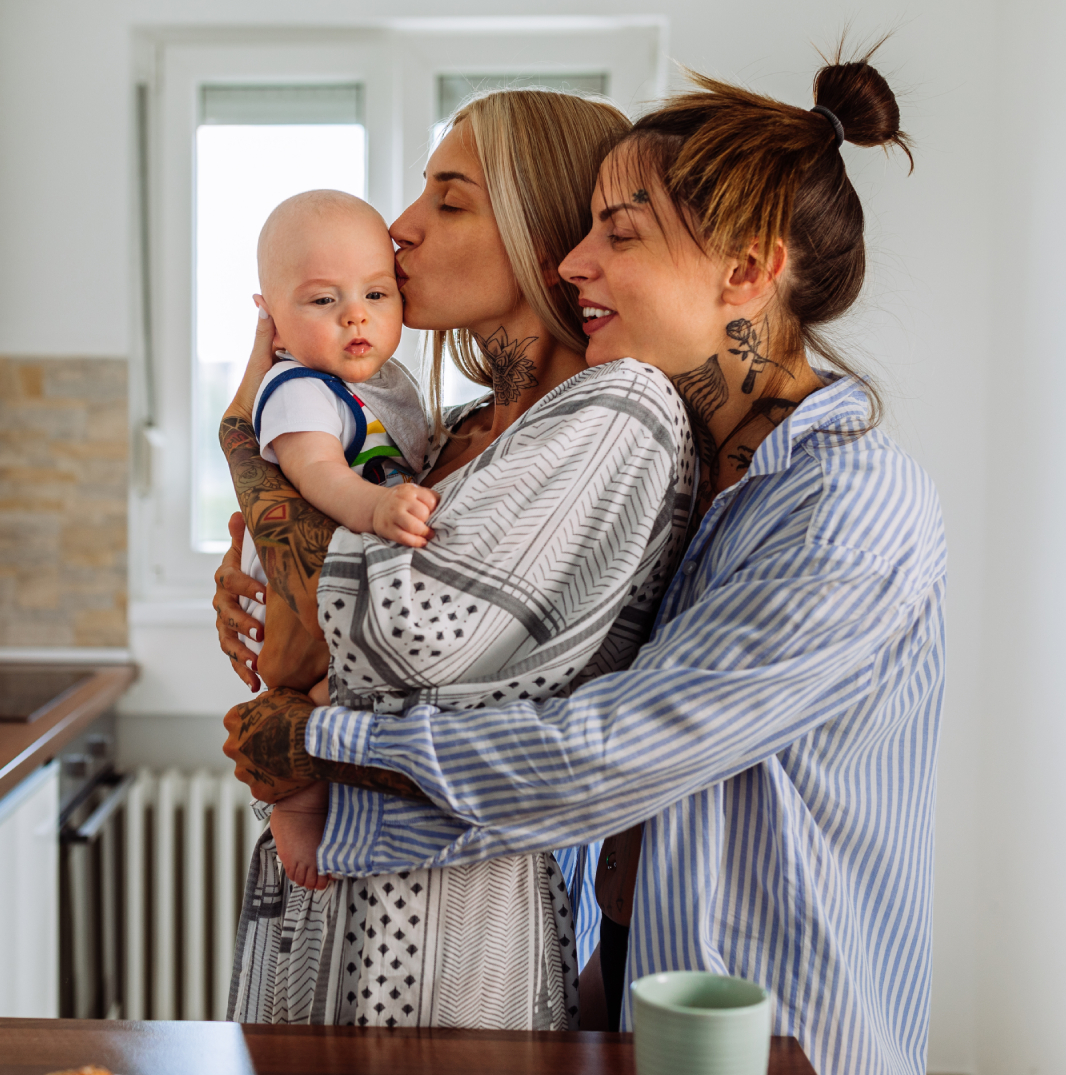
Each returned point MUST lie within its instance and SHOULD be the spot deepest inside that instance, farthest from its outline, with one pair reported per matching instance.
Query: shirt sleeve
(302, 405)
(788, 643)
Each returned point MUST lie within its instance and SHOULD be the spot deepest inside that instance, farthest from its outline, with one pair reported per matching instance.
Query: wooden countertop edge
(70, 717)
(229, 1048)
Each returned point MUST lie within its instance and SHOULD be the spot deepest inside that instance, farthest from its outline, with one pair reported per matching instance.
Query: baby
(345, 424)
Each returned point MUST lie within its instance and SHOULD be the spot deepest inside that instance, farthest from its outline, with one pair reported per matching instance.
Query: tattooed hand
(231, 620)
(511, 370)
(266, 743)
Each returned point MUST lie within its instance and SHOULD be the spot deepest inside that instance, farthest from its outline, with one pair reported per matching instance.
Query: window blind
(248, 105)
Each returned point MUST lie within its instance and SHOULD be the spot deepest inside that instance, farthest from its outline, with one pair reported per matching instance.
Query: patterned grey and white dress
(551, 551)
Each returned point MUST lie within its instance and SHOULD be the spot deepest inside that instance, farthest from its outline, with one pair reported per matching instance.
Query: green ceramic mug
(698, 1023)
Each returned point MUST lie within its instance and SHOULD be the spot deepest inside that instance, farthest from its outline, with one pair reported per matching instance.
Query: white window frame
(398, 65)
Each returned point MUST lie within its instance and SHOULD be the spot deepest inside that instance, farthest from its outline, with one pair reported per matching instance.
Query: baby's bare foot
(297, 823)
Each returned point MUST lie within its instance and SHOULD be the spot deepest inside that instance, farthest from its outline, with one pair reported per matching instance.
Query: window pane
(242, 172)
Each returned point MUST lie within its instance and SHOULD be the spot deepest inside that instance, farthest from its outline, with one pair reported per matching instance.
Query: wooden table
(37, 1046)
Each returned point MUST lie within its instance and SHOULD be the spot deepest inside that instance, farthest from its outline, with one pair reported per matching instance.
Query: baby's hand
(401, 514)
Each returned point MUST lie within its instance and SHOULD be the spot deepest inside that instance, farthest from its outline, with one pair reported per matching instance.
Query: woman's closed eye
(445, 208)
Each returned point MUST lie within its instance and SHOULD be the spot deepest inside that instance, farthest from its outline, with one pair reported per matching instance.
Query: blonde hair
(541, 151)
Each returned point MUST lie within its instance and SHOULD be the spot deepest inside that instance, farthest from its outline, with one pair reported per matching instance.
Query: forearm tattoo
(511, 370)
(705, 392)
(752, 346)
(271, 736)
(363, 776)
(290, 535)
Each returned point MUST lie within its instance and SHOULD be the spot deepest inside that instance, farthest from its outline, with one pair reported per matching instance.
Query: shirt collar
(841, 405)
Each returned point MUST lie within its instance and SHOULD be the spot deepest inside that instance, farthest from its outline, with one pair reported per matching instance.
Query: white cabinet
(29, 897)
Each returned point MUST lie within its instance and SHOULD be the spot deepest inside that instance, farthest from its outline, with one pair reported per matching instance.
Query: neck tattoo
(705, 392)
(512, 372)
(751, 347)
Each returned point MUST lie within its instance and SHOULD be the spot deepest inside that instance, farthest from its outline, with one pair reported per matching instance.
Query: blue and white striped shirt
(777, 736)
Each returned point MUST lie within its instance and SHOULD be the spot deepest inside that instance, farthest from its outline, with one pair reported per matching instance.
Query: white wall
(964, 270)
(1021, 939)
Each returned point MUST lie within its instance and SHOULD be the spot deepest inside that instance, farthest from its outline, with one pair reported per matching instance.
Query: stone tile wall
(63, 488)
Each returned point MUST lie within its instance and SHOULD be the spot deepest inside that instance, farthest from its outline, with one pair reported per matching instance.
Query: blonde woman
(564, 499)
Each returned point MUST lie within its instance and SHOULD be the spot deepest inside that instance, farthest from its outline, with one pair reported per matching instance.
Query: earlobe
(750, 280)
(743, 284)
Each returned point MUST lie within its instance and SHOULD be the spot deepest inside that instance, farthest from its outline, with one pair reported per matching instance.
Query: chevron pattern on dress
(552, 551)
(558, 544)
(306, 930)
(258, 937)
(493, 963)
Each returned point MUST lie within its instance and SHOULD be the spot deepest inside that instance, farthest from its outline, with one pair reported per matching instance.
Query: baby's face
(329, 282)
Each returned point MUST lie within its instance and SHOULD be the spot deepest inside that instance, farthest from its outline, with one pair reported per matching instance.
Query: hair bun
(858, 95)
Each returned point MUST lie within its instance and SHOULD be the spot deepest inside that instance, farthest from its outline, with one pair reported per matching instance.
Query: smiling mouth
(596, 317)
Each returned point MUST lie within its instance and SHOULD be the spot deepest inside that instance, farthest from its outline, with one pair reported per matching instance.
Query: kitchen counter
(25, 746)
(37, 1046)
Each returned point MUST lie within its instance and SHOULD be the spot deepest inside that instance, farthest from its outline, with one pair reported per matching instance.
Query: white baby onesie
(396, 448)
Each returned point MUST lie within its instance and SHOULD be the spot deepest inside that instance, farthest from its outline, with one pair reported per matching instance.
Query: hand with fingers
(259, 363)
(231, 620)
(402, 514)
(266, 743)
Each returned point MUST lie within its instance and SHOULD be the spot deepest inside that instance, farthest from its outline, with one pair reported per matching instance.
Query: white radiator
(188, 840)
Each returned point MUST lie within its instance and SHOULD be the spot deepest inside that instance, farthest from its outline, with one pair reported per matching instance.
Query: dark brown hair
(741, 168)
